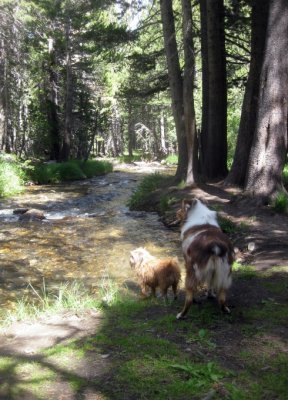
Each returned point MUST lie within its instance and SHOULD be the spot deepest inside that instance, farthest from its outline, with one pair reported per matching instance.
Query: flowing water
(87, 235)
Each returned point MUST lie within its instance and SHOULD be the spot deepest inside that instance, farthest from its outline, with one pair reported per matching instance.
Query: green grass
(148, 354)
(12, 178)
(149, 184)
(280, 204)
(70, 170)
(72, 296)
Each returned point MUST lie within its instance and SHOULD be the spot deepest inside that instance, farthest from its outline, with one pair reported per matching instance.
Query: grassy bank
(14, 175)
(140, 350)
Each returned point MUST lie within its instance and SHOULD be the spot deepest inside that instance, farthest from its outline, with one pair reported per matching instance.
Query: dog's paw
(226, 310)
(180, 316)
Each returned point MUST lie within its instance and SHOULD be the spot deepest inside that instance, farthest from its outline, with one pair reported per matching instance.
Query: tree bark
(176, 84)
(52, 109)
(188, 91)
(69, 97)
(214, 141)
(269, 147)
(247, 125)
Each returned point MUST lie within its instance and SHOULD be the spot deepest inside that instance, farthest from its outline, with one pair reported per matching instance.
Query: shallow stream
(87, 234)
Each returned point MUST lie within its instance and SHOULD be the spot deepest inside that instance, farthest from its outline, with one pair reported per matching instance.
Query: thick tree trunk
(269, 147)
(214, 143)
(188, 89)
(176, 84)
(259, 20)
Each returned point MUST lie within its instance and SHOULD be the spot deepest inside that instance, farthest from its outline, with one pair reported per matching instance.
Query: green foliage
(70, 170)
(125, 158)
(285, 175)
(94, 167)
(172, 159)
(12, 178)
(149, 184)
(280, 204)
(227, 225)
(166, 202)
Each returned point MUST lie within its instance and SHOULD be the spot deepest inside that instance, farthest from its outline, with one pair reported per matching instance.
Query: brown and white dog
(208, 253)
(153, 272)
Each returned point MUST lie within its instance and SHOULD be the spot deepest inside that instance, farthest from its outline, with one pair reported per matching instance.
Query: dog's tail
(219, 265)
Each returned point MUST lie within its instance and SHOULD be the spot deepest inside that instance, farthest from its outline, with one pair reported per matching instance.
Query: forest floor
(137, 349)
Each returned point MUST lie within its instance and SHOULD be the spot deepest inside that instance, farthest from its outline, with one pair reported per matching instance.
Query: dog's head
(137, 256)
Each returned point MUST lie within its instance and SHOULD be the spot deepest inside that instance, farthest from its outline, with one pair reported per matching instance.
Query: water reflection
(87, 234)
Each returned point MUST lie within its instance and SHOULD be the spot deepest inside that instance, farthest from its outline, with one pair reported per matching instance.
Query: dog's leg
(188, 303)
(144, 290)
(175, 289)
(222, 301)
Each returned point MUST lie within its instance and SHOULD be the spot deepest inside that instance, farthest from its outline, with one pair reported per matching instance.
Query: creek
(86, 236)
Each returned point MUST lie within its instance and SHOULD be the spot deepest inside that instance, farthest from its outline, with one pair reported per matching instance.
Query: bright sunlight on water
(87, 235)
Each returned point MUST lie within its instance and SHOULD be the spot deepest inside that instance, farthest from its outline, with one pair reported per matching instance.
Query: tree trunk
(259, 20)
(214, 144)
(52, 109)
(205, 86)
(269, 147)
(175, 83)
(188, 89)
(69, 97)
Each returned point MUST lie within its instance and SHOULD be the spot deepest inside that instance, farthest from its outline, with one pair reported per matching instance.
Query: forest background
(81, 79)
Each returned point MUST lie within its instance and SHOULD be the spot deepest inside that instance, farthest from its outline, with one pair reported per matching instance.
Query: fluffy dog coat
(153, 272)
(208, 253)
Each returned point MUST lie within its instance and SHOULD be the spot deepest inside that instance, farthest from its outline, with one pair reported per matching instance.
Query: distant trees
(80, 77)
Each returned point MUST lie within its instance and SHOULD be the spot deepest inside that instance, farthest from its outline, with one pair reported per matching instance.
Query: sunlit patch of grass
(12, 178)
(163, 378)
(269, 372)
(108, 291)
(172, 159)
(19, 376)
(244, 271)
(69, 296)
(125, 158)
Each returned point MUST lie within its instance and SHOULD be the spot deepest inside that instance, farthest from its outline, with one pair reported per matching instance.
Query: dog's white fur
(216, 272)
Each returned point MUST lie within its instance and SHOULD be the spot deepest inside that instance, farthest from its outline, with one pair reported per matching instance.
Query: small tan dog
(153, 272)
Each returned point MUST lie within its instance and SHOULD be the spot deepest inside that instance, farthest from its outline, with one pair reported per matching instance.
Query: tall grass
(148, 184)
(280, 204)
(70, 296)
(12, 178)
(69, 171)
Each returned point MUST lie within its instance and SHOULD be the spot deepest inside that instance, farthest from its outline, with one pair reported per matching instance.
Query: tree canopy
(90, 78)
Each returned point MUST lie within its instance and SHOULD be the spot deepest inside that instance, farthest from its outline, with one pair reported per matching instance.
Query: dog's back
(207, 251)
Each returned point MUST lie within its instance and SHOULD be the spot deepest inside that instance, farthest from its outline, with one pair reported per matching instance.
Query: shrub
(12, 178)
(70, 170)
(149, 184)
(280, 204)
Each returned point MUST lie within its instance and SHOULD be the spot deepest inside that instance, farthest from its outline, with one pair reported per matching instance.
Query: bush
(70, 170)
(146, 186)
(280, 204)
(12, 178)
